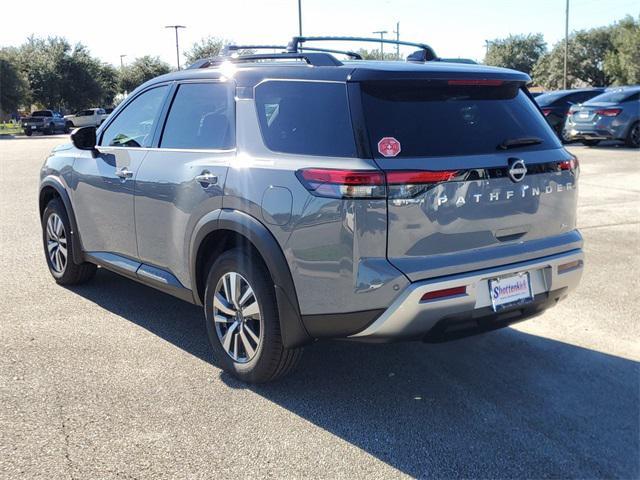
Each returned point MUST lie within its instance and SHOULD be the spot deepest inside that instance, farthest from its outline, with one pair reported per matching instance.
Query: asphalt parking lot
(114, 380)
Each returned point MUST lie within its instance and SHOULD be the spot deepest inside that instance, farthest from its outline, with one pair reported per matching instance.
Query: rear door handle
(206, 179)
(124, 173)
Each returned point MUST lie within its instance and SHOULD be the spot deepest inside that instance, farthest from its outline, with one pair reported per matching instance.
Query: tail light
(609, 112)
(572, 164)
(408, 184)
(333, 183)
(546, 111)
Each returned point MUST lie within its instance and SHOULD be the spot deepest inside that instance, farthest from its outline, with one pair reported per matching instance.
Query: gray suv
(298, 197)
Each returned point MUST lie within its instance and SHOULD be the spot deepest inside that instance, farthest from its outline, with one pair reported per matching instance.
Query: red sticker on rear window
(389, 147)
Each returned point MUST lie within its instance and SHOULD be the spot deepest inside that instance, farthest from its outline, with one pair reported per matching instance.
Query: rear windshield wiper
(519, 142)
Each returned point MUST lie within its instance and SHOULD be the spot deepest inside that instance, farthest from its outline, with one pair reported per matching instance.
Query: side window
(309, 118)
(134, 126)
(201, 117)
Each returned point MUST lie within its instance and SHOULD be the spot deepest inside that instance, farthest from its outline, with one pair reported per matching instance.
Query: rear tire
(246, 339)
(28, 133)
(633, 137)
(590, 143)
(59, 247)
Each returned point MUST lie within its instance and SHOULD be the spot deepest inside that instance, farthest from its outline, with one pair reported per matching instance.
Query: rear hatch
(590, 113)
(475, 176)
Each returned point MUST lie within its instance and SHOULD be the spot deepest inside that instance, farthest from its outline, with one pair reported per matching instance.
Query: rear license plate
(510, 291)
(33, 127)
(583, 115)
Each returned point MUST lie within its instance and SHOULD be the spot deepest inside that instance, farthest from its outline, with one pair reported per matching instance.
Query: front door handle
(124, 173)
(206, 179)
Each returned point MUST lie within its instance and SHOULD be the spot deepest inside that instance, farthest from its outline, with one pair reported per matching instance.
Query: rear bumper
(599, 131)
(410, 318)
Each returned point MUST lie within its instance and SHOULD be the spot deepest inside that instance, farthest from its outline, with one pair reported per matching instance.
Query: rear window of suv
(433, 118)
(308, 118)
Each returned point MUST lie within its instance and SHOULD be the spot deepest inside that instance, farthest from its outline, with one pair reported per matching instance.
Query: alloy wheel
(56, 243)
(237, 317)
(635, 135)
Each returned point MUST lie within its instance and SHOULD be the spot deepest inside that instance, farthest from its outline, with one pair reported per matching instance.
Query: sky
(454, 28)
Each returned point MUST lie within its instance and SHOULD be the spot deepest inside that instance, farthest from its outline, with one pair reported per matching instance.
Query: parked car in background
(45, 121)
(93, 117)
(614, 115)
(555, 105)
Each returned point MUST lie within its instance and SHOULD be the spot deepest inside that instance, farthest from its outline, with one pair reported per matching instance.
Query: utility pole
(176, 27)
(300, 17)
(122, 62)
(381, 32)
(397, 32)
(566, 44)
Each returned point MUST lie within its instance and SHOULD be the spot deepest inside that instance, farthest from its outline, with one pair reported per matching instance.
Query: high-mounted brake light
(336, 183)
(609, 112)
(476, 81)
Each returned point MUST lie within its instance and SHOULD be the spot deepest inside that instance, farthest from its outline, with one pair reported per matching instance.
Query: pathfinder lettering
(509, 194)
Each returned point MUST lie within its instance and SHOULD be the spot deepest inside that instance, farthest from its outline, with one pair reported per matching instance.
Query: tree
(14, 89)
(209, 47)
(142, 69)
(60, 76)
(375, 54)
(519, 52)
(623, 63)
(205, 48)
(587, 52)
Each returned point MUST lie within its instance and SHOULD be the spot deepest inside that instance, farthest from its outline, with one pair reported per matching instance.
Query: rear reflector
(567, 267)
(447, 292)
(546, 111)
(608, 112)
(476, 81)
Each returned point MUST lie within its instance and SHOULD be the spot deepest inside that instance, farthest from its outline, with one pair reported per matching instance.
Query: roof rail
(425, 53)
(321, 59)
(230, 49)
(354, 55)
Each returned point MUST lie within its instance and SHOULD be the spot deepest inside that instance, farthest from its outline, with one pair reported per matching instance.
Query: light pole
(566, 44)
(381, 32)
(176, 27)
(122, 62)
(397, 32)
(300, 17)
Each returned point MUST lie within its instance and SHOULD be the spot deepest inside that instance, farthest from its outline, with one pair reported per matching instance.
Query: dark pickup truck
(45, 121)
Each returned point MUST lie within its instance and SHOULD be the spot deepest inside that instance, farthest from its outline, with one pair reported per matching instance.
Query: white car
(92, 117)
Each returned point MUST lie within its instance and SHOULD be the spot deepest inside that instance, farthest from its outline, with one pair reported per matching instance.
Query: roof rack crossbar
(295, 45)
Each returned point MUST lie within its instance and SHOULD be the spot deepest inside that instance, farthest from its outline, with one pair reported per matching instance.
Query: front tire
(28, 133)
(242, 320)
(633, 137)
(59, 247)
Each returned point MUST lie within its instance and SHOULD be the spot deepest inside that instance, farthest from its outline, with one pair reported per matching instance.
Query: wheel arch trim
(54, 182)
(291, 326)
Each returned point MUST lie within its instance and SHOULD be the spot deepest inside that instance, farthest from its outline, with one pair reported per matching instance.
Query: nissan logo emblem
(517, 170)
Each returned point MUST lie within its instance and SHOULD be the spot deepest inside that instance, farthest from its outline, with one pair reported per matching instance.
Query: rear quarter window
(308, 118)
(437, 119)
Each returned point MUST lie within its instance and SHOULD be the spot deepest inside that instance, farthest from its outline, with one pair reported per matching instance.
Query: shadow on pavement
(506, 404)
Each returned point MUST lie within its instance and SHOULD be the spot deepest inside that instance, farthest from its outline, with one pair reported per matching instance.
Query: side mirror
(84, 138)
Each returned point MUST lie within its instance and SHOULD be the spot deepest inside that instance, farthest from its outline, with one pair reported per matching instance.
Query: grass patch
(10, 128)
